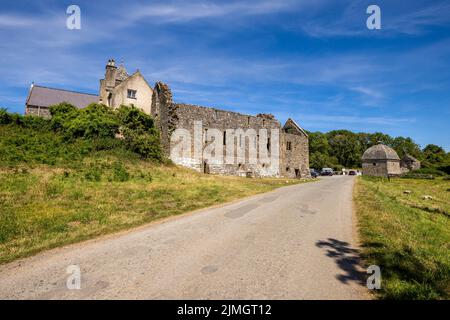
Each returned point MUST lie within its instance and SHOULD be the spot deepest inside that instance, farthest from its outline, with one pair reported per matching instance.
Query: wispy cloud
(371, 93)
(184, 11)
(16, 21)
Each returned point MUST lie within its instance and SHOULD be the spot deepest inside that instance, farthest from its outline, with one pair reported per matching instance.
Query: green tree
(94, 121)
(139, 132)
(434, 154)
(406, 146)
(345, 146)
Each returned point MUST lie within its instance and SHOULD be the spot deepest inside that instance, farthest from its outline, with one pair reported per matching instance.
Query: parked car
(314, 173)
(326, 172)
(352, 173)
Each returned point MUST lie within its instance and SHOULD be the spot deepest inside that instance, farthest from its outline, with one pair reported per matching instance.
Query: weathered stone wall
(295, 162)
(381, 168)
(407, 165)
(234, 130)
(221, 120)
(38, 111)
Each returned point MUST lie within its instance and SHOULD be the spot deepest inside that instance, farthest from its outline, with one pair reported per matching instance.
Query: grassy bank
(45, 207)
(406, 235)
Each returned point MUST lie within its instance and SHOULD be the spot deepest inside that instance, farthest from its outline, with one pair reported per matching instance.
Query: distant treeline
(342, 148)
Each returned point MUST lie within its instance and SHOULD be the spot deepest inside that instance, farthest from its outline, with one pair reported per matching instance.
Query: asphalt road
(296, 242)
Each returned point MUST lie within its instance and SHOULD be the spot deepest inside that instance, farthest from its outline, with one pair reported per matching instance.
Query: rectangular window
(224, 138)
(288, 146)
(268, 144)
(131, 94)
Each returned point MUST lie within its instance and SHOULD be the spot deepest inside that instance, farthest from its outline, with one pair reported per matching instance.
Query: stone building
(41, 98)
(119, 88)
(380, 160)
(281, 151)
(409, 163)
(233, 130)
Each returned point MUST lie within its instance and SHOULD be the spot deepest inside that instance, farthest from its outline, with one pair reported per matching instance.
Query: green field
(406, 235)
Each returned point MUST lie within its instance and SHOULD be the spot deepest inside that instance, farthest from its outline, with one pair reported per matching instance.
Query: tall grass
(406, 235)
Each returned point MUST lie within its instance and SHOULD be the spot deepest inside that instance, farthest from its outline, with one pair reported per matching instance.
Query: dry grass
(406, 235)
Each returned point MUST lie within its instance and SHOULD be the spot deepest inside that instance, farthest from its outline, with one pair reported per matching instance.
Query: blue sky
(312, 60)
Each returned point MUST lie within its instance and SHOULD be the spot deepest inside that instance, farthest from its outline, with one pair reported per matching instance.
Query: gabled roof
(136, 73)
(291, 122)
(45, 97)
(121, 73)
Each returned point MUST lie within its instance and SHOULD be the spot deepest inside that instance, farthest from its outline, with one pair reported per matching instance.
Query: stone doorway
(205, 167)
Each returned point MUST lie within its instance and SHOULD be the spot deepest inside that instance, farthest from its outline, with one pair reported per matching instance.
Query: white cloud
(16, 21)
(183, 11)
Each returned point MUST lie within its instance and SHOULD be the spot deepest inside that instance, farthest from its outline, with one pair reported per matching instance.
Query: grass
(406, 235)
(43, 206)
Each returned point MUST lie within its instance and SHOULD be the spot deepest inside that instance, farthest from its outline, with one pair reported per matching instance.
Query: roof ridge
(59, 89)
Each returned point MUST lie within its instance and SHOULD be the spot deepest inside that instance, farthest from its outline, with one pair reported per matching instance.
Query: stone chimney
(110, 74)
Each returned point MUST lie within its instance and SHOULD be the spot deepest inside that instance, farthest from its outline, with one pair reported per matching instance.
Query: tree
(139, 132)
(434, 154)
(318, 142)
(345, 146)
(406, 146)
(94, 121)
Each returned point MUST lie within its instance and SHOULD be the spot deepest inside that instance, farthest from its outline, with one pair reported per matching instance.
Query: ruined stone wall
(381, 168)
(222, 120)
(295, 155)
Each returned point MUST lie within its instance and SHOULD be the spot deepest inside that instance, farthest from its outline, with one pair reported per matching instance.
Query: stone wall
(235, 131)
(295, 159)
(381, 168)
(226, 122)
(38, 111)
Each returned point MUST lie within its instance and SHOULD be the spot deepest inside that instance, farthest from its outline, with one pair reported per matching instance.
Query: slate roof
(121, 73)
(45, 97)
(380, 152)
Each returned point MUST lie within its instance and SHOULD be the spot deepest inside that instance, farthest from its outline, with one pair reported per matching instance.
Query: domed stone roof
(380, 152)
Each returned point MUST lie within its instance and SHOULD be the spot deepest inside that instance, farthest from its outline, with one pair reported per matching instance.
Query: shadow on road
(346, 258)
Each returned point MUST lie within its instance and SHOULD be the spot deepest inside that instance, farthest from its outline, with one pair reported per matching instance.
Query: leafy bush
(432, 171)
(61, 114)
(134, 119)
(145, 144)
(73, 133)
(413, 175)
(139, 132)
(5, 117)
(94, 121)
(445, 168)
